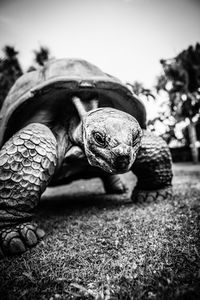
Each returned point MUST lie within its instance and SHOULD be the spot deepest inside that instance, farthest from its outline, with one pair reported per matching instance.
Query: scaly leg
(153, 169)
(27, 163)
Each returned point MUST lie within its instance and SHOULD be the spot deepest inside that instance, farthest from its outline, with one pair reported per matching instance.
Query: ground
(102, 247)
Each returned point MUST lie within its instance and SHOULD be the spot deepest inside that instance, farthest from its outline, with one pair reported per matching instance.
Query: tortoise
(65, 121)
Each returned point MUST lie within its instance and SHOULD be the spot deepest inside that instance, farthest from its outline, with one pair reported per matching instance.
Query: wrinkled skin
(111, 139)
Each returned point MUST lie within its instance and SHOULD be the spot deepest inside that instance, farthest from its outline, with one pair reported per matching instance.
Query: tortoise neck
(77, 135)
(62, 143)
(79, 106)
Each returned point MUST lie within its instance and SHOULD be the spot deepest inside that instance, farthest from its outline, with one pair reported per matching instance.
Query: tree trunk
(193, 140)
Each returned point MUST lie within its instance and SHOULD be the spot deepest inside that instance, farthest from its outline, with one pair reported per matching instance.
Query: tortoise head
(111, 139)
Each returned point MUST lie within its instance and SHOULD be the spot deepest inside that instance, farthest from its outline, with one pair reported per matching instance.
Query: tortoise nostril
(123, 158)
(122, 161)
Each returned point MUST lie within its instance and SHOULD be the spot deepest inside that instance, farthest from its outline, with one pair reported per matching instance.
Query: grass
(102, 247)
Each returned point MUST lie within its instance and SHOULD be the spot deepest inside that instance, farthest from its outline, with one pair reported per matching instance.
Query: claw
(16, 246)
(40, 233)
(16, 240)
(29, 236)
(114, 185)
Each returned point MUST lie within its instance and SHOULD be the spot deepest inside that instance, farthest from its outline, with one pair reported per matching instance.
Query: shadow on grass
(81, 195)
(65, 202)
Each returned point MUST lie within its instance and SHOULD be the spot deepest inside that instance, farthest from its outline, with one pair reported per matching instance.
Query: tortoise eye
(99, 139)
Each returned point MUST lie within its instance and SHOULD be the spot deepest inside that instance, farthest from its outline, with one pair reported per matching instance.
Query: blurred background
(151, 45)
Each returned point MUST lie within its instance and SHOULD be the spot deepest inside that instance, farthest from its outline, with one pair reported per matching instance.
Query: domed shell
(70, 75)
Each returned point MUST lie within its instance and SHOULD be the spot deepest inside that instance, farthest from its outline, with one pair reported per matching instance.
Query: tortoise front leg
(153, 168)
(27, 163)
(113, 184)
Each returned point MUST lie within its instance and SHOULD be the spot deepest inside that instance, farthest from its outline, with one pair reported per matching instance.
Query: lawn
(106, 247)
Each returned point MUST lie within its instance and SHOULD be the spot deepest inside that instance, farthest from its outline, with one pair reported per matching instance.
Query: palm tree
(42, 56)
(12, 62)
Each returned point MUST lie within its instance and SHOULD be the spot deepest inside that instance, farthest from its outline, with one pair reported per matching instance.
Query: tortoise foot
(113, 184)
(16, 240)
(151, 196)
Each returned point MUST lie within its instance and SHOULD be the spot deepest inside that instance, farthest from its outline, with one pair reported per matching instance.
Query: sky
(125, 38)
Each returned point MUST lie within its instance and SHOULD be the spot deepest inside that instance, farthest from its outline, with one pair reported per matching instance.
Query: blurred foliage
(10, 70)
(10, 67)
(164, 116)
(181, 80)
(169, 124)
(186, 132)
(139, 89)
(42, 56)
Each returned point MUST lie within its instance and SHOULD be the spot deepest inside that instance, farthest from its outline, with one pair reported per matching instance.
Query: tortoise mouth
(119, 166)
(116, 169)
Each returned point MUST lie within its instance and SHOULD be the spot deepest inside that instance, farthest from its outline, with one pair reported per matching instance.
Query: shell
(68, 76)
